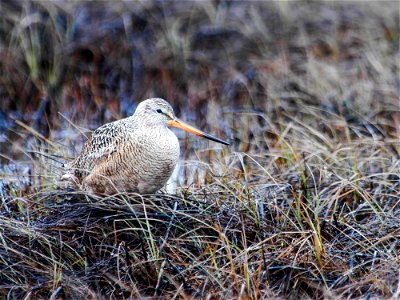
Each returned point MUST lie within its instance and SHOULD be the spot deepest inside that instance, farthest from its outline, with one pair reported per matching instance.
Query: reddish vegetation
(303, 204)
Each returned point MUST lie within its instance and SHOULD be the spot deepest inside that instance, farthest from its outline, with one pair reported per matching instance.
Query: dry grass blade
(304, 203)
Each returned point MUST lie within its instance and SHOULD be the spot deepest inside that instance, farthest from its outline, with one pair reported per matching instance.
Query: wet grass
(305, 203)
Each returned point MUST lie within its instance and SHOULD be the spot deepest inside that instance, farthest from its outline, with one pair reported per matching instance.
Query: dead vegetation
(304, 204)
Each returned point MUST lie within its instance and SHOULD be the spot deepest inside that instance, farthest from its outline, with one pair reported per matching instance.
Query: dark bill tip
(212, 138)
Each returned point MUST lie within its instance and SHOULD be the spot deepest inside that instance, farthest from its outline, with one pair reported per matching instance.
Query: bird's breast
(153, 159)
(159, 144)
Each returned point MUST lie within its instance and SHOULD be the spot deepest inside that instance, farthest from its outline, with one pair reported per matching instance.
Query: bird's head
(158, 112)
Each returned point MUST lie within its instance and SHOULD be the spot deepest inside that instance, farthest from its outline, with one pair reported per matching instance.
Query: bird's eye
(159, 111)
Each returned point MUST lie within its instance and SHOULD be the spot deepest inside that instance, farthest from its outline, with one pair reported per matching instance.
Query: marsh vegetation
(305, 203)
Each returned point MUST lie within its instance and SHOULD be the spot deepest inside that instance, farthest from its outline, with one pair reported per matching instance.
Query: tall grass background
(303, 204)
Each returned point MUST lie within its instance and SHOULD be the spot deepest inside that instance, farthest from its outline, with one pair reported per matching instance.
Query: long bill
(181, 125)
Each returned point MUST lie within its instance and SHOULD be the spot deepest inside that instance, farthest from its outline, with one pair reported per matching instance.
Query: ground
(304, 203)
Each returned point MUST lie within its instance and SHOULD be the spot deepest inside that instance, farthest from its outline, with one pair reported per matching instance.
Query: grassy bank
(303, 204)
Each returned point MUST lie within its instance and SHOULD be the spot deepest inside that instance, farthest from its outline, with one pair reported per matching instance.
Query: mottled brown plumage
(135, 154)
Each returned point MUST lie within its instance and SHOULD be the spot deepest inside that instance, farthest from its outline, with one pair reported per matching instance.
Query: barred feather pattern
(135, 154)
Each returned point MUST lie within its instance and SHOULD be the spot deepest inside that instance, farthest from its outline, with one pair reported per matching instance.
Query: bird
(136, 154)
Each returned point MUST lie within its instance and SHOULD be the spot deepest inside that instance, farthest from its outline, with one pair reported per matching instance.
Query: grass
(303, 204)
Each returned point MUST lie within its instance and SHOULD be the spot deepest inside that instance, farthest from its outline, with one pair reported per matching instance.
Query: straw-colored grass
(305, 203)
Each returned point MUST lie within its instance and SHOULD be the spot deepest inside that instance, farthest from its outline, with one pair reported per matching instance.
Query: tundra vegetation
(304, 203)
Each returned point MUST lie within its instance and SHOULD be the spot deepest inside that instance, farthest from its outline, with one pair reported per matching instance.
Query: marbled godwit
(135, 154)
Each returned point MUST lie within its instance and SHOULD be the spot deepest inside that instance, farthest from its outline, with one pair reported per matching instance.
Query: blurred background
(304, 203)
(238, 69)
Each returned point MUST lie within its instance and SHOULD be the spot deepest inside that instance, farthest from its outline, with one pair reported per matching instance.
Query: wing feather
(98, 148)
